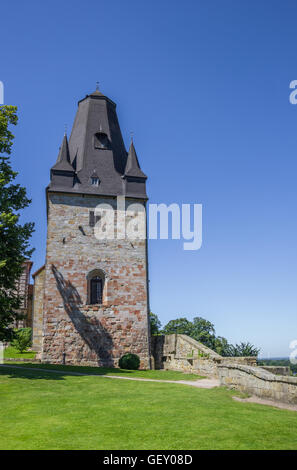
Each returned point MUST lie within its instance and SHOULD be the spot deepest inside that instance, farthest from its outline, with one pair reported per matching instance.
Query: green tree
(23, 339)
(222, 347)
(179, 326)
(14, 237)
(203, 331)
(244, 349)
(199, 329)
(155, 324)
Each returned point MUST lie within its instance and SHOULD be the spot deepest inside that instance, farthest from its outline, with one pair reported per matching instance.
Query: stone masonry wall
(29, 318)
(244, 360)
(278, 370)
(92, 334)
(180, 352)
(23, 289)
(37, 323)
(259, 382)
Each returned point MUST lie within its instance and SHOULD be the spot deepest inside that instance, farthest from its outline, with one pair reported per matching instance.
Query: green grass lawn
(147, 374)
(12, 353)
(43, 410)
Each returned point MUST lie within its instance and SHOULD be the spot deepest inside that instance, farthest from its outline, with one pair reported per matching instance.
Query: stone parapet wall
(188, 355)
(278, 370)
(201, 366)
(259, 382)
(182, 353)
(185, 346)
(247, 361)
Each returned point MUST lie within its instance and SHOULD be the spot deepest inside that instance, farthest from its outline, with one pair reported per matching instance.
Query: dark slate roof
(132, 166)
(96, 147)
(63, 160)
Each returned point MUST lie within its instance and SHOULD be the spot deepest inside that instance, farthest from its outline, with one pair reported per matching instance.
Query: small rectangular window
(95, 181)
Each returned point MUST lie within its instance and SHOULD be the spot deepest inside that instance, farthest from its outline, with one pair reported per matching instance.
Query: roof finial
(97, 86)
(131, 136)
(65, 129)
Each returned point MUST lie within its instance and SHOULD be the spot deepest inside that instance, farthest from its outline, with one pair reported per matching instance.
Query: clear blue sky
(204, 85)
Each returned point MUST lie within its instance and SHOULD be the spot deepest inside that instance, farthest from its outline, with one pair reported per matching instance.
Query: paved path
(200, 383)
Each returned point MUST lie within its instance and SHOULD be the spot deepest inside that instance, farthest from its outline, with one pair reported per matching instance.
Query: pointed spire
(63, 160)
(74, 167)
(132, 166)
(97, 92)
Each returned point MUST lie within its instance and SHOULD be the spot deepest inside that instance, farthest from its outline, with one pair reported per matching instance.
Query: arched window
(96, 287)
(96, 290)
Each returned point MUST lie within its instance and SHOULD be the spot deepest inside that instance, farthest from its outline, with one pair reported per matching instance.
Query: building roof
(63, 160)
(38, 271)
(96, 147)
(132, 166)
(28, 262)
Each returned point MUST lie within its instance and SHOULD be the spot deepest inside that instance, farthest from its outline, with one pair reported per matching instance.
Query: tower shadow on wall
(91, 331)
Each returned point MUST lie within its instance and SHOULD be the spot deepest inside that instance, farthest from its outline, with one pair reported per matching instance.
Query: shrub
(129, 361)
(23, 339)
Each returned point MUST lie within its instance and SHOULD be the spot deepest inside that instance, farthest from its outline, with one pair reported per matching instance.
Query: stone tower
(95, 295)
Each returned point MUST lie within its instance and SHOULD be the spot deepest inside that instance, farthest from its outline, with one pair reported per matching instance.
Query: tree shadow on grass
(32, 374)
(56, 371)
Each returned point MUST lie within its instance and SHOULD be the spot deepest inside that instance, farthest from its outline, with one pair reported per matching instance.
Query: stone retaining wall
(182, 353)
(259, 382)
(247, 360)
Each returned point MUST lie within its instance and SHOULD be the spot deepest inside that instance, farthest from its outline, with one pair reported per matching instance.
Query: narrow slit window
(96, 286)
(93, 219)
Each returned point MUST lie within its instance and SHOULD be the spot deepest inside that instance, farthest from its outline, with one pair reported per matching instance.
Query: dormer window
(101, 141)
(95, 181)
